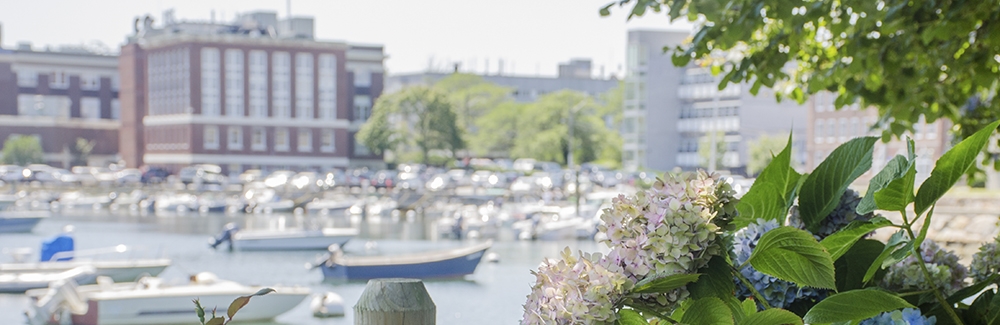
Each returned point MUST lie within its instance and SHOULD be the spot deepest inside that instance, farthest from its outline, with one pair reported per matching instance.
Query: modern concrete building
(829, 128)
(669, 111)
(61, 95)
(257, 93)
(575, 75)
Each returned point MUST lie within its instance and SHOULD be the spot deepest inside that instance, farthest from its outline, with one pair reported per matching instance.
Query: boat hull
(119, 271)
(283, 244)
(180, 309)
(18, 224)
(447, 268)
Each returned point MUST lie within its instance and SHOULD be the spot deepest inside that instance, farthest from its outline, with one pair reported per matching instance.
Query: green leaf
(708, 311)
(749, 306)
(794, 255)
(216, 321)
(951, 167)
(630, 317)
(851, 268)
(841, 241)
(772, 192)
(716, 280)
(664, 284)
(854, 305)
(822, 189)
(895, 241)
(899, 193)
(972, 290)
(772, 317)
(237, 304)
(893, 170)
(200, 311)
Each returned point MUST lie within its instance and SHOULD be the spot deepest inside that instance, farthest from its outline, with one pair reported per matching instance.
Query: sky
(531, 36)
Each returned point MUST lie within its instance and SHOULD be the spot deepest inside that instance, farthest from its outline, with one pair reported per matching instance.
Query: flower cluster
(908, 316)
(574, 291)
(985, 262)
(943, 266)
(839, 218)
(778, 293)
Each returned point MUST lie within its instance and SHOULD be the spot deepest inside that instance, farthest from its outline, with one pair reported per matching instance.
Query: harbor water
(492, 295)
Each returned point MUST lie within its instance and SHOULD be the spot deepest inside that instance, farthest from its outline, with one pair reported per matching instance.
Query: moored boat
(285, 239)
(19, 282)
(20, 221)
(451, 263)
(152, 301)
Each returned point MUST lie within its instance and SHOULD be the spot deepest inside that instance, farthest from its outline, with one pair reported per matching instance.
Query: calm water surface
(493, 295)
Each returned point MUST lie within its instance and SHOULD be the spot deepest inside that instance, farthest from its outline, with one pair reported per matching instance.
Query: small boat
(327, 305)
(151, 301)
(450, 263)
(21, 221)
(19, 282)
(287, 239)
(116, 269)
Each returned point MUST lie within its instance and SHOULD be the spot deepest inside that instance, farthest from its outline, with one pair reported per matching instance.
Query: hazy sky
(531, 36)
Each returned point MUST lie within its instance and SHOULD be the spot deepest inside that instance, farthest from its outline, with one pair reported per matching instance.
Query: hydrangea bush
(794, 249)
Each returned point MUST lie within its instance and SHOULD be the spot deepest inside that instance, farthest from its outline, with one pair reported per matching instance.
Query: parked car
(203, 174)
(154, 175)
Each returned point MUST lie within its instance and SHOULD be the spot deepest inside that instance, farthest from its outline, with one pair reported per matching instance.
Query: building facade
(61, 95)
(574, 75)
(829, 128)
(258, 93)
(671, 112)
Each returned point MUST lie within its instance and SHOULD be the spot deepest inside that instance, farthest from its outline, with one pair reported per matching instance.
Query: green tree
(498, 130)
(611, 110)
(81, 151)
(908, 58)
(416, 119)
(543, 128)
(472, 98)
(22, 150)
(762, 150)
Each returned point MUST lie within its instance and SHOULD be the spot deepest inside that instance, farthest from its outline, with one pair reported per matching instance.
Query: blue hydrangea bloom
(778, 293)
(908, 316)
(839, 218)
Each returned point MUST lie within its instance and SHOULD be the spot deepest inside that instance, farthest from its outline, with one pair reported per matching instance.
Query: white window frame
(211, 85)
(282, 139)
(27, 78)
(234, 82)
(362, 78)
(307, 135)
(327, 85)
(210, 137)
(304, 96)
(281, 84)
(58, 80)
(328, 141)
(116, 109)
(258, 139)
(362, 107)
(90, 108)
(258, 83)
(90, 82)
(234, 138)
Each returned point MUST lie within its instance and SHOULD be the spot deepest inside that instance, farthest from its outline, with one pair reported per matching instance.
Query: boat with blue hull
(452, 263)
(18, 222)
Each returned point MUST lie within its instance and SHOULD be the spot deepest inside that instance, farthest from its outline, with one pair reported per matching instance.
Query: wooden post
(395, 301)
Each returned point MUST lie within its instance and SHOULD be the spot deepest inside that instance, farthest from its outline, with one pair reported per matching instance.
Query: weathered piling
(395, 301)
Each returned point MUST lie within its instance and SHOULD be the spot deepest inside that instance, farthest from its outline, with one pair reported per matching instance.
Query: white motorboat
(152, 301)
(20, 221)
(116, 269)
(19, 282)
(285, 239)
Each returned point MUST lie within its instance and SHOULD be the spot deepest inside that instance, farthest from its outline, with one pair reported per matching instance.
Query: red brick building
(254, 94)
(60, 95)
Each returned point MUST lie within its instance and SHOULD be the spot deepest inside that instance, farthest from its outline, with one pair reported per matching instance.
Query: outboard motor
(226, 236)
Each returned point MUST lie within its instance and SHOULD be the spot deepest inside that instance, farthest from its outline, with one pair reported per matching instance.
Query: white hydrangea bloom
(575, 291)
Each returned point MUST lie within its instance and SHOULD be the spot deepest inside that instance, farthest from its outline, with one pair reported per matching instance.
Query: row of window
(59, 106)
(281, 83)
(169, 82)
(60, 79)
(259, 139)
(691, 112)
